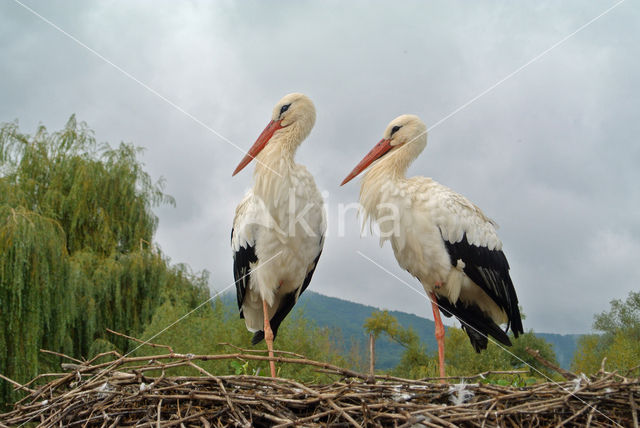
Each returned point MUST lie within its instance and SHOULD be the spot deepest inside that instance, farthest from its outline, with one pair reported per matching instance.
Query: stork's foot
(268, 336)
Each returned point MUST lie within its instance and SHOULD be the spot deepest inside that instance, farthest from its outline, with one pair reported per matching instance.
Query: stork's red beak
(260, 143)
(378, 150)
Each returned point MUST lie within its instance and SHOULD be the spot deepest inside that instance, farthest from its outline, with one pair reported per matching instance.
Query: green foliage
(619, 341)
(34, 310)
(380, 322)
(461, 359)
(76, 252)
(623, 316)
(415, 362)
(349, 317)
(591, 350)
(205, 331)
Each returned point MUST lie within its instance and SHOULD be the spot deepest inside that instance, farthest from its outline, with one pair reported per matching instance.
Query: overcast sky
(552, 153)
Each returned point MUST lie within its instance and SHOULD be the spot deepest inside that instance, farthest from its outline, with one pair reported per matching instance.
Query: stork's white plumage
(278, 230)
(439, 237)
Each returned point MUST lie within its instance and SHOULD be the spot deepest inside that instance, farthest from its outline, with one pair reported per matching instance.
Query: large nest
(137, 391)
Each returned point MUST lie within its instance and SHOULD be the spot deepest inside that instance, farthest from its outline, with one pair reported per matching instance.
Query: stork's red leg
(268, 336)
(439, 334)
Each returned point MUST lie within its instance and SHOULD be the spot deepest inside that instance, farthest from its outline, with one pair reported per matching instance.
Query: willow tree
(76, 247)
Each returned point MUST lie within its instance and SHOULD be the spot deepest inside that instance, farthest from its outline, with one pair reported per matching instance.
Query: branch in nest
(16, 384)
(144, 342)
(564, 373)
(261, 351)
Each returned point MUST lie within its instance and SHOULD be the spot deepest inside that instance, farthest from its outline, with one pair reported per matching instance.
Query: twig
(575, 415)
(476, 376)
(16, 384)
(604, 360)
(593, 410)
(564, 373)
(159, 412)
(634, 409)
(144, 342)
(46, 351)
(262, 351)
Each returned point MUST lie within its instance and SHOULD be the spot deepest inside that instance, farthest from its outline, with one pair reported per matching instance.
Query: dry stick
(88, 419)
(135, 339)
(439, 420)
(343, 413)
(593, 410)
(205, 423)
(604, 360)
(116, 422)
(479, 375)
(43, 375)
(305, 419)
(123, 360)
(103, 354)
(326, 399)
(261, 351)
(233, 409)
(414, 421)
(46, 351)
(174, 422)
(159, 411)
(575, 415)
(564, 373)
(634, 411)
(486, 415)
(16, 384)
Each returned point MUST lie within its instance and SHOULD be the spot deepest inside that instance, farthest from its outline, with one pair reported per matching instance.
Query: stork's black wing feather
(242, 260)
(488, 269)
(286, 304)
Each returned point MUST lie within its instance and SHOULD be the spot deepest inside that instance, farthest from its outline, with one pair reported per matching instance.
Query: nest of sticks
(137, 391)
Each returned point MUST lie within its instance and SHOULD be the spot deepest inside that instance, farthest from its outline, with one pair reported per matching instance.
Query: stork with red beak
(439, 237)
(278, 230)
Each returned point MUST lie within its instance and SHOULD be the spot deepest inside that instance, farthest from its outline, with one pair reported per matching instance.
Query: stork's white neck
(274, 167)
(391, 167)
(384, 175)
(381, 174)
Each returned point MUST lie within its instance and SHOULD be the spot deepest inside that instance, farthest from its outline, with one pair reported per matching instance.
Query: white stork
(278, 230)
(440, 237)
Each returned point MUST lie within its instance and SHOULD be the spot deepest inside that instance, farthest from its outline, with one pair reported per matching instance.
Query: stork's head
(403, 140)
(292, 120)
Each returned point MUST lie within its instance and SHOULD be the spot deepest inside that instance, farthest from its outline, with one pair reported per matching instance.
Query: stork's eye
(394, 130)
(284, 108)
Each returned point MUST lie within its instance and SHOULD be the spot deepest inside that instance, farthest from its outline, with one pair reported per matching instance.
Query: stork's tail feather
(478, 334)
(258, 336)
(475, 323)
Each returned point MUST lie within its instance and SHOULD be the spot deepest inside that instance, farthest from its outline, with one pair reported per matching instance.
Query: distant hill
(349, 317)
